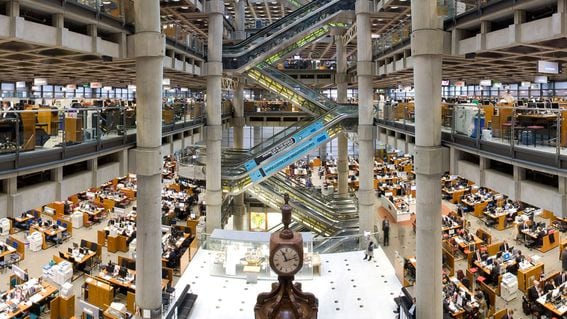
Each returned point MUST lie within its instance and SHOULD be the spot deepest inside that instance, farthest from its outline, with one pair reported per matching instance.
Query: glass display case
(239, 253)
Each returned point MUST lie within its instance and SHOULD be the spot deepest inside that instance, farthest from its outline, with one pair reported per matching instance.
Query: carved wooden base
(286, 301)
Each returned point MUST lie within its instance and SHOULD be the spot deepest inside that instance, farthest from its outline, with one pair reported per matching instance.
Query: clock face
(286, 260)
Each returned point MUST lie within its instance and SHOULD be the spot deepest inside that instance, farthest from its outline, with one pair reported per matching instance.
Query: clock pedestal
(286, 300)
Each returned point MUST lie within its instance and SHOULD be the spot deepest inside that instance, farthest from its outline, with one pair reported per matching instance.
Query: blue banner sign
(296, 138)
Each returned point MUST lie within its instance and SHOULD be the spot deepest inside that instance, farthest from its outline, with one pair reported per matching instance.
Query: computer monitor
(70, 250)
(499, 254)
(506, 256)
(489, 261)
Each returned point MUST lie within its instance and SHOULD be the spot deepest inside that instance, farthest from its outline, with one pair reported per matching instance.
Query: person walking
(369, 253)
(369, 250)
(386, 231)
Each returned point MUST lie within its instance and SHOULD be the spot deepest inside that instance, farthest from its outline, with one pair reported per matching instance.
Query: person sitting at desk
(534, 292)
(549, 286)
(494, 273)
(561, 278)
(505, 246)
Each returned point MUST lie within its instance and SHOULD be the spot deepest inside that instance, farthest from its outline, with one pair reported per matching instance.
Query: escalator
(251, 170)
(299, 28)
(324, 216)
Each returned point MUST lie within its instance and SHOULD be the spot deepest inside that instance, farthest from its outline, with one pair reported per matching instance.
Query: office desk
(79, 261)
(499, 219)
(6, 250)
(129, 283)
(549, 241)
(464, 244)
(455, 194)
(48, 231)
(22, 222)
(527, 274)
(23, 306)
(560, 309)
(469, 307)
(476, 207)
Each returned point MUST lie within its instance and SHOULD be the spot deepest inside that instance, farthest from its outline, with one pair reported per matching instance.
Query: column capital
(149, 44)
(429, 160)
(363, 6)
(214, 7)
(427, 42)
(148, 160)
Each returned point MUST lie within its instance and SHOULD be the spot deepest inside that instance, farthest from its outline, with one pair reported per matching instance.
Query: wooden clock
(286, 300)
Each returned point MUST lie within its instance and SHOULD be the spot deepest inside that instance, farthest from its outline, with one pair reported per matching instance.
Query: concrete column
(58, 21)
(519, 16)
(11, 187)
(171, 146)
(341, 81)
(215, 9)
(13, 8)
(323, 152)
(92, 165)
(562, 6)
(366, 198)
(149, 49)
(92, 31)
(456, 36)
(485, 26)
(57, 177)
(121, 39)
(238, 126)
(519, 176)
(123, 162)
(483, 166)
(427, 48)
(257, 131)
(240, 33)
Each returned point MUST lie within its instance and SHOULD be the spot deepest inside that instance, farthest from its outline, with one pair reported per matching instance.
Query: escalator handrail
(309, 99)
(329, 124)
(299, 215)
(275, 25)
(321, 16)
(291, 81)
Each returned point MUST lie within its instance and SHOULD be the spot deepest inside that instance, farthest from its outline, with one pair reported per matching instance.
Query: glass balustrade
(533, 129)
(43, 129)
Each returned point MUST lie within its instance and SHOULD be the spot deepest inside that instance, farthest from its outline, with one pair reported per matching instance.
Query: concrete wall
(3, 205)
(541, 196)
(35, 196)
(107, 172)
(468, 170)
(71, 184)
(499, 182)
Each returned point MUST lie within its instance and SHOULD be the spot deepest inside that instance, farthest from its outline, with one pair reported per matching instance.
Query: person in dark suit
(7, 111)
(505, 246)
(561, 278)
(564, 259)
(509, 314)
(386, 230)
(549, 286)
(495, 273)
(534, 292)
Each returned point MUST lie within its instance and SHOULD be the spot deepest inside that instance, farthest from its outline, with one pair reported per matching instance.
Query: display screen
(540, 79)
(547, 67)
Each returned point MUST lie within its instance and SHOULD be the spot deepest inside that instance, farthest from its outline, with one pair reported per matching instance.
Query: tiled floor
(347, 287)
(337, 287)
